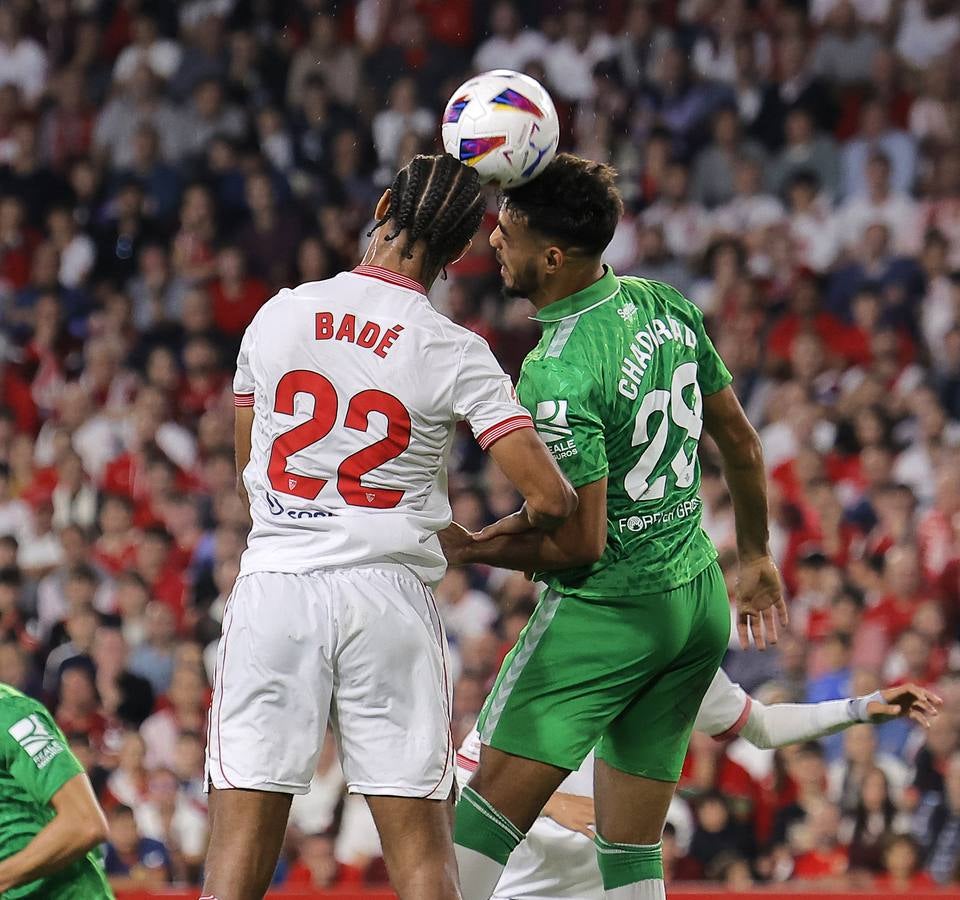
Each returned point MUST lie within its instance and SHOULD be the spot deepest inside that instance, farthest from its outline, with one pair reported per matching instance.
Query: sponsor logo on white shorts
(36, 740)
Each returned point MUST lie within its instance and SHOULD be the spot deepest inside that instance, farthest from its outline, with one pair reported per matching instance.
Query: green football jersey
(615, 387)
(35, 763)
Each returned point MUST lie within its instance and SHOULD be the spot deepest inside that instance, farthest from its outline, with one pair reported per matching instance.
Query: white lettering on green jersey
(623, 398)
(35, 763)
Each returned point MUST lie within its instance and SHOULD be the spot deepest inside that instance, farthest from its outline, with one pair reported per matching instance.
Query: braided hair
(437, 200)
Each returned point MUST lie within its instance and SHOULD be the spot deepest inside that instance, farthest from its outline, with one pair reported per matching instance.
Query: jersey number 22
(320, 424)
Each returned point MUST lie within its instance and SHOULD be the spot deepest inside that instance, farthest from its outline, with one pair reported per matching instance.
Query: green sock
(623, 864)
(480, 827)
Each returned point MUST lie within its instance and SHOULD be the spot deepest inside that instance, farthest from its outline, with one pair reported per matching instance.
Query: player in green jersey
(635, 619)
(51, 825)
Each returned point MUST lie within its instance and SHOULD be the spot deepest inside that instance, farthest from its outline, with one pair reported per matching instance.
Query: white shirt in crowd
(188, 827)
(162, 57)
(313, 813)
(25, 65)
(570, 71)
(898, 212)
(921, 39)
(511, 53)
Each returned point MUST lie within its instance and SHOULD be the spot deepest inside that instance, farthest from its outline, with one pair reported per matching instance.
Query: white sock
(648, 889)
(478, 873)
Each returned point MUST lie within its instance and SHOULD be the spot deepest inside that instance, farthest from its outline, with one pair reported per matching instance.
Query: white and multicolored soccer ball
(504, 124)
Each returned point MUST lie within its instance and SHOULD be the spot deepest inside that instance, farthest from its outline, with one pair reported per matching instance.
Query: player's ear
(554, 258)
(462, 253)
(382, 206)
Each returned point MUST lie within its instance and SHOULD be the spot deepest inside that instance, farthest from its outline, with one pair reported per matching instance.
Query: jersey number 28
(673, 409)
(320, 424)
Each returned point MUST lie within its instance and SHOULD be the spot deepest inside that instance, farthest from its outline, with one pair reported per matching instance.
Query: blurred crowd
(793, 167)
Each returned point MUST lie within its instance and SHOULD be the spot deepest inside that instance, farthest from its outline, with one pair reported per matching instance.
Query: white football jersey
(554, 863)
(357, 384)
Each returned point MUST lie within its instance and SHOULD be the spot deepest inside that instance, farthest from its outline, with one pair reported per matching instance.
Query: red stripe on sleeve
(736, 727)
(243, 399)
(502, 429)
(464, 762)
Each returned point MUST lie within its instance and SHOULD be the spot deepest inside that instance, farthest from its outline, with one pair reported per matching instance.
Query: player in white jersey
(558, 858)
(348, 392)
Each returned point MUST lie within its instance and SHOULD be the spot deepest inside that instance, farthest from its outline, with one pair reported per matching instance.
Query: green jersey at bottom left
(35, 763)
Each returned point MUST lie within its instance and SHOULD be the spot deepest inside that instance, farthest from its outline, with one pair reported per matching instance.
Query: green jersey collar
(603, 289)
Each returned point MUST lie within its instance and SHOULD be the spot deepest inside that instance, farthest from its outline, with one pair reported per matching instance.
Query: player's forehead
(512, 222)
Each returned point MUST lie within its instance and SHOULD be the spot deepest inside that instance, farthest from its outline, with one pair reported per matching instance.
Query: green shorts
(626, 676)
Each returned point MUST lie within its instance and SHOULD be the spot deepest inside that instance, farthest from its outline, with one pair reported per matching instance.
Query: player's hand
(573, 812)
(760, 602)
(455, 541)
(907, 701)
(518, 523)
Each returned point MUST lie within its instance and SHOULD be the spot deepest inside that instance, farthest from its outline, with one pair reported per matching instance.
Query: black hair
(841, 638)
(83, 572)
(437, 200)
(574, 201)
(850, 594)
(807, 178)
(812, 748)
(158, 533)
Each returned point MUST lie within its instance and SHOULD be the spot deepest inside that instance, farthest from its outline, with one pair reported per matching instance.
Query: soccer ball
(504, 125)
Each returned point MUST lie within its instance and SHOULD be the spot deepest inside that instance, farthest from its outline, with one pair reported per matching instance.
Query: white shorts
(362, 648)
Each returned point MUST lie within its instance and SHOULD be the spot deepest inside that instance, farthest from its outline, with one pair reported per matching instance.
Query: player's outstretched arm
(548, 498)
(77, 827)
(781, 724)
(579, 541)
(759, 592)
(243, 440)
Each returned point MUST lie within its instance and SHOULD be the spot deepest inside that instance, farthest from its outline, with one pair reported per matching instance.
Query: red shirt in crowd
(232, 313)
(817, 864)
(918, 881)
(837, 338)
(894, 614)
(197, 395)
(732, 780)
(116, 560)
(345, 877)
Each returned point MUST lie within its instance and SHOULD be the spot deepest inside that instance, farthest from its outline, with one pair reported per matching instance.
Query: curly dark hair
(574, 201)
(437, 200)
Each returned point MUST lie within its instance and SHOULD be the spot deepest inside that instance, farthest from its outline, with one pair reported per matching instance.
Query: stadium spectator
(184, 711)
(901, 861)
(818, 853)
(134, 861)
(125, 697)
(872, 824)
(168, 816)
(22, 60)
(941, 826)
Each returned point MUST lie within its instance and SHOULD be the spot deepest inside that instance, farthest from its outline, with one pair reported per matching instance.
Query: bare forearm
(55, 846)
(532, 551)
(747, 483)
